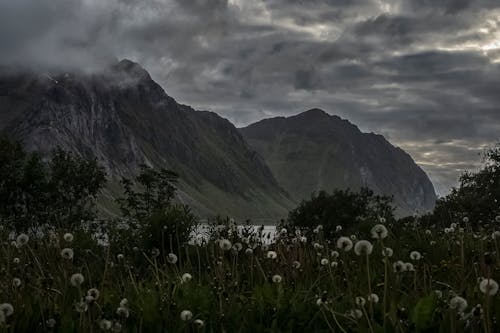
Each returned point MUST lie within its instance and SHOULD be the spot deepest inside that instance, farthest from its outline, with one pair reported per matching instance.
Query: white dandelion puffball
(415, 255)
(334, 264)
(271, 255)
(335, 254)
(51, 323)
(22, 240)
(16, 261)
(198, 323)
(356, 314)
(379, 231)
(77, 279)
(409, 267)
(120, 256)
(382, 220)
(296, 264)
(360, 301)
(488, 287)
(237, 247)
(225, 244)
(186, 277)
(373, 298)
(303, 239)
(399, 266)
(458, 303)
(387, 252)
(68, 237)
(428, 232)
(277, 278)
(465, 219)
(124, 303)
(94, 293)
(363, 247)
(172, 258)
(317, 246)
(155, 253)
(186, 315)
(338, 228)
(105, 324)
(344, 244)
(7, 309)
(16, 282)
(249, 251)
(324, 262)
(354, 237)
(122, 311)
(67, 253)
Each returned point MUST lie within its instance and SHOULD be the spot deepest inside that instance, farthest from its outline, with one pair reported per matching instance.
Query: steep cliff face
(122, 117)
(315, 151)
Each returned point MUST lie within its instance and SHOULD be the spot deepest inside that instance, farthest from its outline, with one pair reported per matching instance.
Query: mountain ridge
(301, 148)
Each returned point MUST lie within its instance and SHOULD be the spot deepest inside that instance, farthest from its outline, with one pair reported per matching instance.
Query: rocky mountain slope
(122, 117)
(315, 151)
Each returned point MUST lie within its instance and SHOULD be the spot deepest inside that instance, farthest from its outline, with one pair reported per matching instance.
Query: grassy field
(392, 278)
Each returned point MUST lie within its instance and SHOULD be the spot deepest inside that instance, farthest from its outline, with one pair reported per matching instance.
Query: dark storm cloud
(422, 72)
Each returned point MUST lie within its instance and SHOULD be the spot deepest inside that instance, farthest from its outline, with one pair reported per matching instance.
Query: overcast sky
(424, 73)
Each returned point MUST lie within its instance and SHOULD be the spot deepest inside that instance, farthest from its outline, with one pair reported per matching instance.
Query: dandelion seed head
(120, 256)
(16, 282)
(360, 301)
(225, 244)
(51, 323)
(334, 254)
(67, 253)
(155, 253)
(249, 251)
(77, 279)
(296, 264)
(409, 267)
(122, 311)
(458, 303)
(16, 261)
(317, 246)
(124, 303)
(277, 278)
(94, 293)
(324, 262)
(334, 264)
(186, 277)
(338, 228)
(344, 244)
(68, 237)
(399, 266)
(271, 255)
(379, 231)
(198, 323)
(172, 258)
(22, 240)
(7, 309)
(186, 315)
(363, 247)
(415, 255)
(387, 252)
(488, 287)
(373, 298)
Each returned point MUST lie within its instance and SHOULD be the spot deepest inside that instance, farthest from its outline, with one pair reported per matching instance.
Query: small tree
(148, 204)
(342, 207)
(34, 193)
(477, 196)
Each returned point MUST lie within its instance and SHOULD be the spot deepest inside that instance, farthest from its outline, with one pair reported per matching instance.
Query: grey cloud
(420, 72)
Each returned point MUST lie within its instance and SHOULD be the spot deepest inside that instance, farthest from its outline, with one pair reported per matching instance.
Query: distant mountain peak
(131, 68)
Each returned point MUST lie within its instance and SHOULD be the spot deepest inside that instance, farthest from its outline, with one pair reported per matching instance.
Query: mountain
(123, 118)
(315, 151)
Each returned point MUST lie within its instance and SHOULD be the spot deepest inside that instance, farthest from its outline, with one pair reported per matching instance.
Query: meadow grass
(392, 278)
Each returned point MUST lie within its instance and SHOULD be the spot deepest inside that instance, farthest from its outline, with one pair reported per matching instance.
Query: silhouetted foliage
(148, 204)
(149, 192)
(477, 197)
(34, 193)
(342, 207)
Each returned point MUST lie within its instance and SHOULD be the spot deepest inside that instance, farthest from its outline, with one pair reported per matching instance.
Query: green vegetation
(340, 263)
